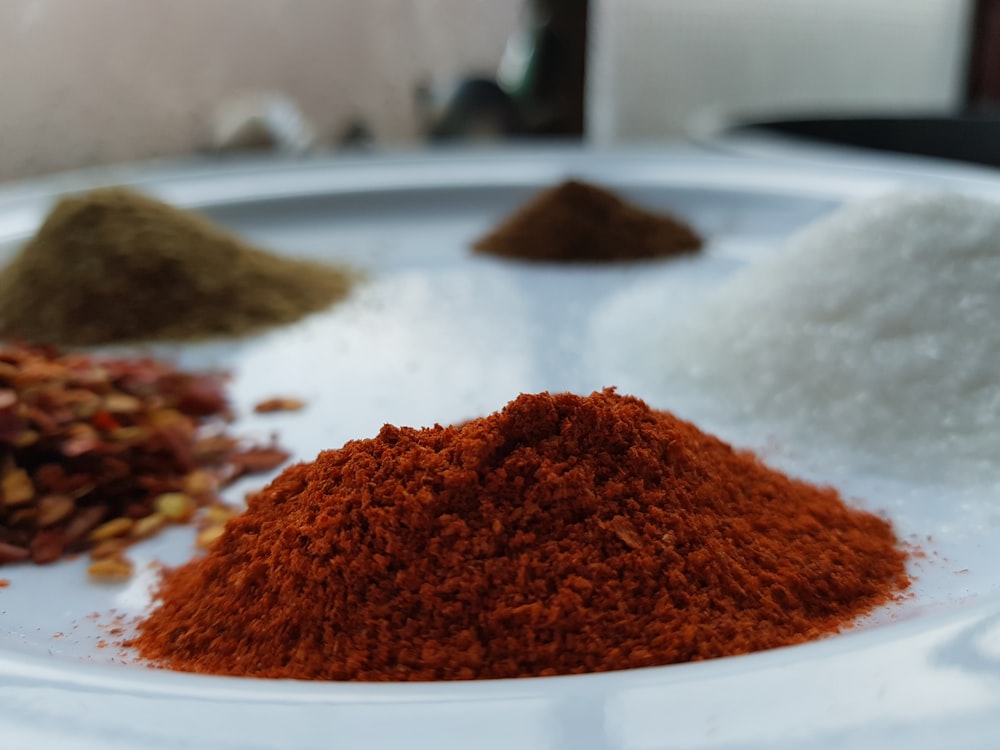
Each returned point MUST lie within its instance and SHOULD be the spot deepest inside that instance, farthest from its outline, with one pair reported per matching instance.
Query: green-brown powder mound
(113, 266)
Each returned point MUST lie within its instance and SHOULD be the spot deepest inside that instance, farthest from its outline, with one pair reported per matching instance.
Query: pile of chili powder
(563, 534)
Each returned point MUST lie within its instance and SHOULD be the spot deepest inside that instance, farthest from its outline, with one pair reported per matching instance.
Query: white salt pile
(875, 332)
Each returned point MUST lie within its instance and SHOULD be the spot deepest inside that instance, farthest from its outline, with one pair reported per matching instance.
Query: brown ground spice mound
(113, 265)
(563, 534)
(576, 222)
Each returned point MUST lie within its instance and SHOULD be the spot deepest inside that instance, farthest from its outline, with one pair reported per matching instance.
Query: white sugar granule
(874, 332)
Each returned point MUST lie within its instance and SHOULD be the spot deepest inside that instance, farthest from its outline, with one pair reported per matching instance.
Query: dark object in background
(982, 93)
(473, 109)
(355, 135)
(544, 66)
(538, 91)
(967, 138)
(969, 135)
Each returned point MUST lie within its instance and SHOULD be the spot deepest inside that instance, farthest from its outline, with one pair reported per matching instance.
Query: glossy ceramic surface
(439, 335)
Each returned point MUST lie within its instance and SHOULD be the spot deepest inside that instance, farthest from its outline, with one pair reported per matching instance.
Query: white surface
(656, 64)
(872, 329)
(439, 335)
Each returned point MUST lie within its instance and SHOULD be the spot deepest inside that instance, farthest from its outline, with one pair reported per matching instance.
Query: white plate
(438, 335)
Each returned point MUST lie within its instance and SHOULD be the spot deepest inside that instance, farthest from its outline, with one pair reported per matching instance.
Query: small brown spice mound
(113, 265)
(579, 222)
(97, 454)
(563, 534)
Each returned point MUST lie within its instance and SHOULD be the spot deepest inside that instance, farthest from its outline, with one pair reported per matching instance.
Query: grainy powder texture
(113, 265)
(576, 222)
(563, 534)
(873, 332)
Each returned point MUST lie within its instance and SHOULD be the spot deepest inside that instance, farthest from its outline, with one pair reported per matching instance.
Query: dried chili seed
(131, 434)
(218, 514)
(209, 536)
(121, 403)
(110, 569)
(82, 439)
(279, 404)
(25, 438)
(146, 527)
(109, 548)
(17, 488)
(175, 506)
(54, 508)
(85, 403)
(114, 528)
(200, 483)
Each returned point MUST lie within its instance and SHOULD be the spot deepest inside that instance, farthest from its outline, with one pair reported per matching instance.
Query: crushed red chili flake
(256, 460)
(88, 446)
(4, 583)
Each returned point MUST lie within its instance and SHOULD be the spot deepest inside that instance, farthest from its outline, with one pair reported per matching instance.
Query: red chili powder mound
(579, 222)
(563, 534)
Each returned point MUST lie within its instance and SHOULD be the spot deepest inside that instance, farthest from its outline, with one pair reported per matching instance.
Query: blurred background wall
(85, 82)
(657, 66)
(95, 81)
